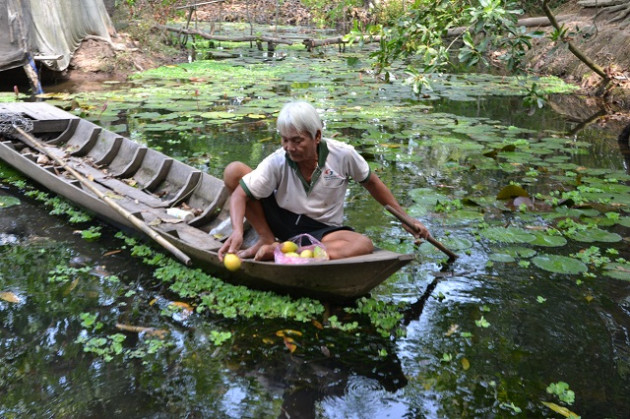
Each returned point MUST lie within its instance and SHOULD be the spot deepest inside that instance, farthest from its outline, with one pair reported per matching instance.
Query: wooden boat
(149, 185)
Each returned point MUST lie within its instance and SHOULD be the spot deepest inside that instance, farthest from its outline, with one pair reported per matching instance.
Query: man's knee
(233, 173)
(365, 243)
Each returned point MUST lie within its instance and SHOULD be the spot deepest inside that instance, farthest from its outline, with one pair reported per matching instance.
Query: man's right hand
(231, 245)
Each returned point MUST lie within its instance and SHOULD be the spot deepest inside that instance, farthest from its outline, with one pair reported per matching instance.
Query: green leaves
(507, 235)
(559, 264)
(562, 390)
(8, 201)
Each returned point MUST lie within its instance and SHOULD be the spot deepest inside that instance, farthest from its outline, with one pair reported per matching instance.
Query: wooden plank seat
(83, 139)
(177, 184)
(106, 148)
(115, 185)
(128, 159)
(209, 187)
(67, 132)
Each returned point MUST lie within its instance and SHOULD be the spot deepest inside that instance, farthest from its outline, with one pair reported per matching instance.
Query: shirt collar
(322, 154)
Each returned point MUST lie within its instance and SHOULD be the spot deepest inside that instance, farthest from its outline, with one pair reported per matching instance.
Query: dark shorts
(286, 224)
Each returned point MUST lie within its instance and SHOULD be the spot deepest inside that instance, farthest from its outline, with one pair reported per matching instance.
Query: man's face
(300, 146)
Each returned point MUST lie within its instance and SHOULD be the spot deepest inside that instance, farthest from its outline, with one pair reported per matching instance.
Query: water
(482, 340)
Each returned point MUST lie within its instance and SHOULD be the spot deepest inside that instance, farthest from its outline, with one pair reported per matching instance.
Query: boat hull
(109, 161)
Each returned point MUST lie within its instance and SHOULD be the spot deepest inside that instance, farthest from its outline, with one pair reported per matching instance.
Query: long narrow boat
(149, 185)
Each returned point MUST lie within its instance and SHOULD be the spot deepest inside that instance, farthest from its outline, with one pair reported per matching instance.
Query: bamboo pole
(410, 222)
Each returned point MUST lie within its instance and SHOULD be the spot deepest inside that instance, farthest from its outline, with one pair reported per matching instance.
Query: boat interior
(144, 181)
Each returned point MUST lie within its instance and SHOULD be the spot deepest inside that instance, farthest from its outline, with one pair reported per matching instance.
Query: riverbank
(599, 39)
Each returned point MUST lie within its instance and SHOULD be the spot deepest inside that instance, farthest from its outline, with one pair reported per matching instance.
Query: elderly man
(300, 188)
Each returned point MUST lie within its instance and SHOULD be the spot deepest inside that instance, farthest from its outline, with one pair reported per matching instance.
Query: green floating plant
(559, 264)
(507, 235)
(8, 201)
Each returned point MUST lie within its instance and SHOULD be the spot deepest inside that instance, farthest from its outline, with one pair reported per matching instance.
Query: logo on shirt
(333, 179)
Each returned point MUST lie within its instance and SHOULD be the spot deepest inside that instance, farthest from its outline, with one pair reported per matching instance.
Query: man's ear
(318, 136)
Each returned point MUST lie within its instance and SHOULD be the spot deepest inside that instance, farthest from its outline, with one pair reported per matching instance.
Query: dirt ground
(605, 43)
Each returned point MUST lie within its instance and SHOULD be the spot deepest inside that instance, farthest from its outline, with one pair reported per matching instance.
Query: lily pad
(455, 243)
(518, 251)
(8, 201)
(507, 235)
(618, 271)
(624, 221)
(559, 264)
(512, 191)
(595, 235)
(547, 240)
(502, 258)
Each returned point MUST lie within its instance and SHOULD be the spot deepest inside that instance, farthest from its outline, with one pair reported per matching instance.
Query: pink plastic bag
(309, 250)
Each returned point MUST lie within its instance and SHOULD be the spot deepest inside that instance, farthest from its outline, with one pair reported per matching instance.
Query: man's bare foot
(252, 251)
(266, 252)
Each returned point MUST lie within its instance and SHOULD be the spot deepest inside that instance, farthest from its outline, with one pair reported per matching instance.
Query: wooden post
(31, 73)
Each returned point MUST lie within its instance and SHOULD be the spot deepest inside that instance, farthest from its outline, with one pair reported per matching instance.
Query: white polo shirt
(322, 199)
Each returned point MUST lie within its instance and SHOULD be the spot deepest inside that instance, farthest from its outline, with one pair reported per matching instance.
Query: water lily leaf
(507, 235)
(512, 191)
(463, 217)
(624, 221)
(617, 271)
(564, 212)
(523, 252)
(547, 240)
(217, 115)
(559, 264)
(595, 235)
(8, 201)
(502, 257)
(607, 197)
(455, 243)
(599, 221)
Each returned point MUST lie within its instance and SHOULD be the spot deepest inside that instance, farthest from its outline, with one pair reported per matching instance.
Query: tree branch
(579, 54)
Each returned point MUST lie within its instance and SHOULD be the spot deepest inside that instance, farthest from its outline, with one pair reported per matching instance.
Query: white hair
(301, 116)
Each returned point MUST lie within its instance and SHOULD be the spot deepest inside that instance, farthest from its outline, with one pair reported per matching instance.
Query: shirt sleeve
(357, 167)
(264, 179)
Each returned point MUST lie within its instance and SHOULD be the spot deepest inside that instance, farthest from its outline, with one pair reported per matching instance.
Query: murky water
(482, 339)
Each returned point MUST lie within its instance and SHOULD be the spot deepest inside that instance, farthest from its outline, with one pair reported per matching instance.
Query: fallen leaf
(290, 344)
(288, 332)
(151, 331)
(112, 252)
(325, 351)
(10, 297)
(182, 305)
(72, 286)
(512, 191)
(465, 364)
(318, 325)
(451, 330)
(561, 410)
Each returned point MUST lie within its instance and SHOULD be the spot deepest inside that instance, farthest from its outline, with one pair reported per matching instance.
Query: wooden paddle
(39, 146)
(410, 222)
